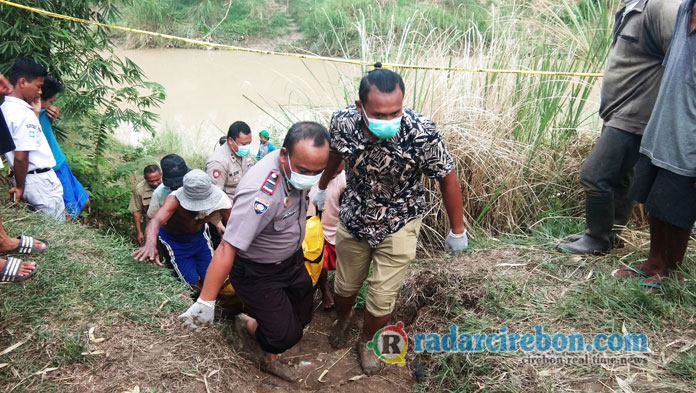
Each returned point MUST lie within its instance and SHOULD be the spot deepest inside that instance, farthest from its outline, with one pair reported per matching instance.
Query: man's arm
(452, 197)
(331, 169)
(139, 237)
(218, 270)
(21, 163)
(225, 213)
(149, 250)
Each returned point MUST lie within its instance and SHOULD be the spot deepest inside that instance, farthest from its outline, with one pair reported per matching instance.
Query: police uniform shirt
(226, 168)
(271, 214)
(26, 133)
(140, 201)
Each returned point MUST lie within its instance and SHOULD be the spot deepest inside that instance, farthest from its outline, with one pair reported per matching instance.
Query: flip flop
(650, 285)
(638, 272)
(26, 246)
(10, 271)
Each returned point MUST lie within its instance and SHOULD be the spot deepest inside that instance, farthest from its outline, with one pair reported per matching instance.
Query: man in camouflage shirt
(387, 149)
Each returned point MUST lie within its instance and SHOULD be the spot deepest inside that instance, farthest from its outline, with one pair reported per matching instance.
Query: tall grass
(329, 25)
(517, 140)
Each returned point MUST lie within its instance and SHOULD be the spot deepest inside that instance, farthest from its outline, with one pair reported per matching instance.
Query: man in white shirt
(32, 160)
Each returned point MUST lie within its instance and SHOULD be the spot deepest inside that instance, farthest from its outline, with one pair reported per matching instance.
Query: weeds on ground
(519, 285)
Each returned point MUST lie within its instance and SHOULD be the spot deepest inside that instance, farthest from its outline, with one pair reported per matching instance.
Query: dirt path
(132, 358)
(316, 355)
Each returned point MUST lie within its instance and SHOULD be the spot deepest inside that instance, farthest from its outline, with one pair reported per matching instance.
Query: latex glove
(319, 199)
(201, 313)
(456, 242)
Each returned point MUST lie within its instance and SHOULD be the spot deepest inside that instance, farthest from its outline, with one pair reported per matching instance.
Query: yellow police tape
(300, 56)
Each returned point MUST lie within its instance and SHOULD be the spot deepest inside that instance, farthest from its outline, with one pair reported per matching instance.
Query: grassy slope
(88, 280)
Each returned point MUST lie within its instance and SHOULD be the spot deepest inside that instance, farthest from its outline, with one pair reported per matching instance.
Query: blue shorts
(189, 255)
(74, 195)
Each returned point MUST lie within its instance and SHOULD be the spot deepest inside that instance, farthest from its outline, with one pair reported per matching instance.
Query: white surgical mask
(300, 181)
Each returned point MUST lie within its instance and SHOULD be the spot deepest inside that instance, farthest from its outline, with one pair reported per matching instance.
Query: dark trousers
(279, 296)
(608, 170)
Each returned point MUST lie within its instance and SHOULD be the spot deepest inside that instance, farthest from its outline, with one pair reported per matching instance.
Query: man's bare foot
(25, 270)
(652, 284)
(8, 244)
(280, 370)
(645, 269)
(340, 333)
(369, 362)
(249, 343)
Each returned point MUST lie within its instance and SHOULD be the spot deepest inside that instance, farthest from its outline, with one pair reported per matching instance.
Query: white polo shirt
(27, 134)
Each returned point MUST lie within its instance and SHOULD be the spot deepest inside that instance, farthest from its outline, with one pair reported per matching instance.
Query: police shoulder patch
(260, 206)
(216, 174)
(269, 185)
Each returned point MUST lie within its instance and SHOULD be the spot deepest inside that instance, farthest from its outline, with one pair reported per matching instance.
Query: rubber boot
(599, 215)
(623, 209)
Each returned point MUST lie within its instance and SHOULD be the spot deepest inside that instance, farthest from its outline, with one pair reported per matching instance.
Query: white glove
(319, 199)
(199, 314)
(456, 243)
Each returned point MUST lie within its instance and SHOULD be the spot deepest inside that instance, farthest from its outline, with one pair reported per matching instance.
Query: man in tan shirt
(140, 201)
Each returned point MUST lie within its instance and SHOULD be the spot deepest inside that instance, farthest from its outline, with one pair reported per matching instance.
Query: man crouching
(180, 226)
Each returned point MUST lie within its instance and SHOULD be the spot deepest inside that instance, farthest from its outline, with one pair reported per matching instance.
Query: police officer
(231, 161)
(264, 257)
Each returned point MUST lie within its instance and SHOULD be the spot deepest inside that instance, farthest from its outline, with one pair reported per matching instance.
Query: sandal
(26, 246)
(638, 272)
(11, 270)
(650, 286)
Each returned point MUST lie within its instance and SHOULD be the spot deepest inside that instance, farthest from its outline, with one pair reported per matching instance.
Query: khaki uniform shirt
(226, 168)
(270, 213)
(140, 201)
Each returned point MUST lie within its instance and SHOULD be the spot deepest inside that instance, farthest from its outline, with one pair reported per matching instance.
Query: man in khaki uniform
(231, 161)
(140, 200)
(263, 257)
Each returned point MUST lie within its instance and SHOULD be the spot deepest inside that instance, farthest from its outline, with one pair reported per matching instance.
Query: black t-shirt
(6, 141)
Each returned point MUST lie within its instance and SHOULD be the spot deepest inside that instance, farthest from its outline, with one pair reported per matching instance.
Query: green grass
(553, 290)
(84, 279)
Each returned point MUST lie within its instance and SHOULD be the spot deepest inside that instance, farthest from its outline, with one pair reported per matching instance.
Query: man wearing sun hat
(180, 223)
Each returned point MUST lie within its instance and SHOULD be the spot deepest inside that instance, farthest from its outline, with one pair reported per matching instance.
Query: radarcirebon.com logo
(390, 344)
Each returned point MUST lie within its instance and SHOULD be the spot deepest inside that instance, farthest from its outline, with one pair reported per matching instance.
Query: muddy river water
(207, 90)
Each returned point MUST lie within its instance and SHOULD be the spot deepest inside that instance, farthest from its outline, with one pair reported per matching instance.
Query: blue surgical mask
(383, 129)
(242, 150)
(300, 181)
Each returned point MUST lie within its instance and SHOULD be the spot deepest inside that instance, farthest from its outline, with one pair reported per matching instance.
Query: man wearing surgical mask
(387, 149)
(231, 161)
(262, 254)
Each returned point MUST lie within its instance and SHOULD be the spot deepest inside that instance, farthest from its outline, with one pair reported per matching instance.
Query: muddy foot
(369, 362)
(280, 370)
(340, 334)
(249, 344)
